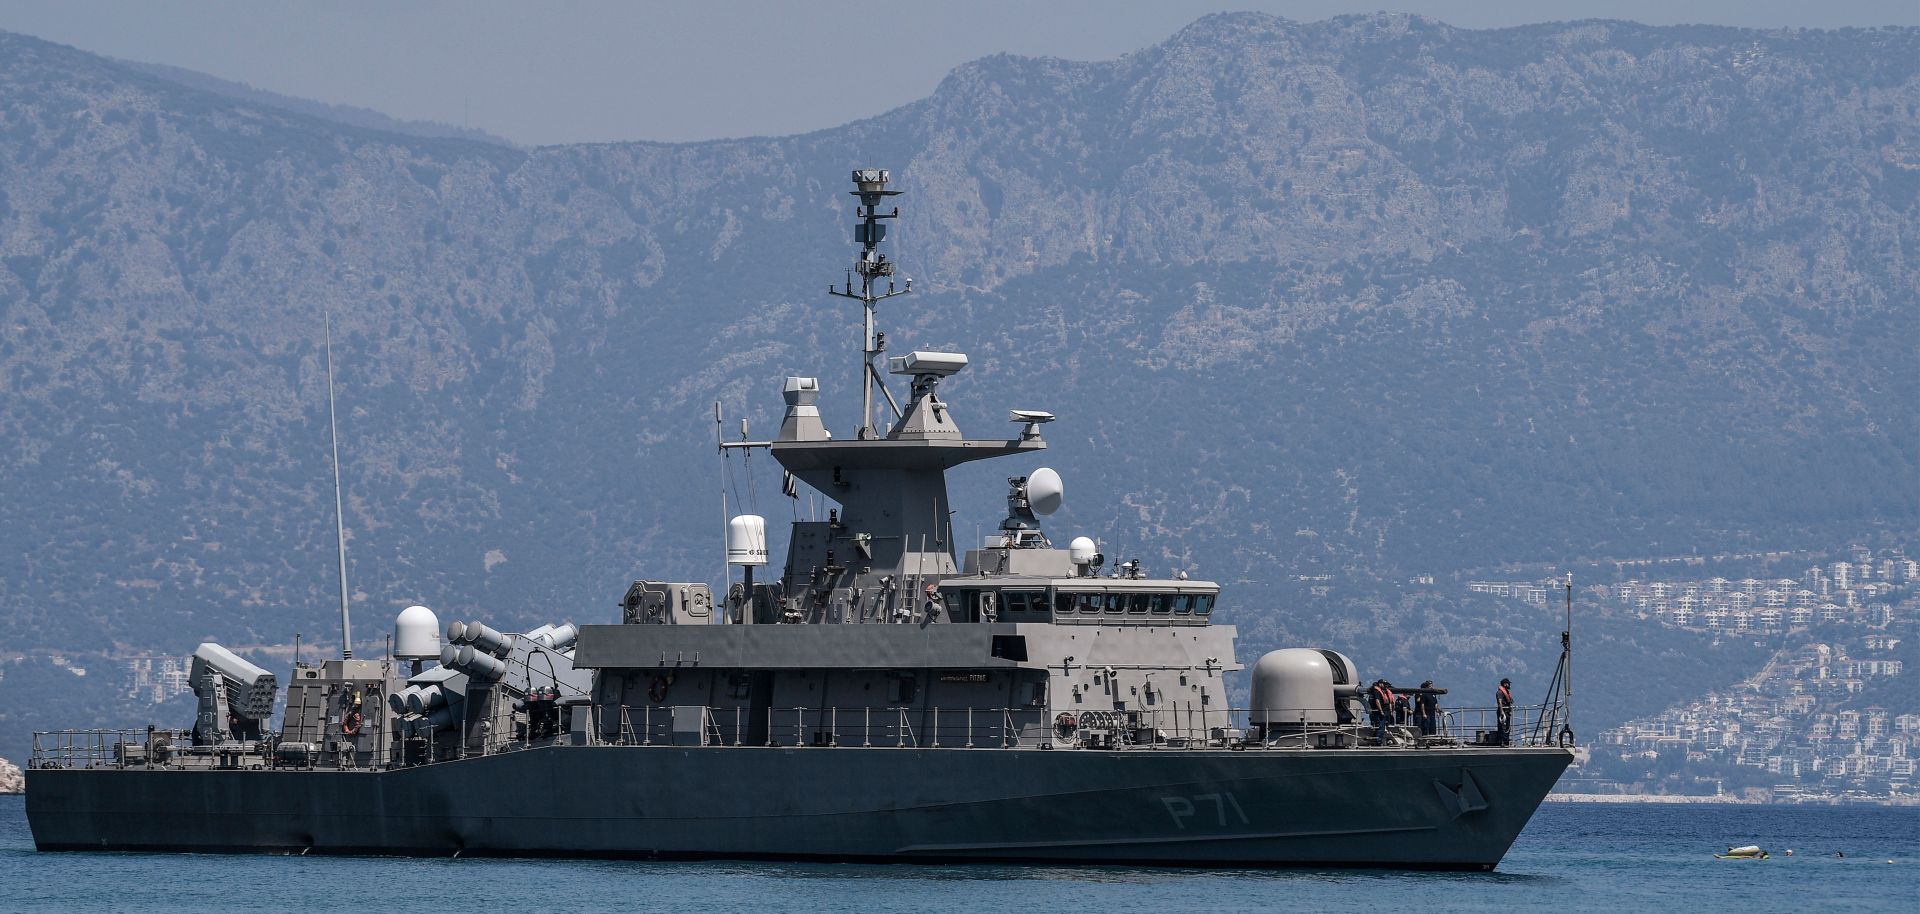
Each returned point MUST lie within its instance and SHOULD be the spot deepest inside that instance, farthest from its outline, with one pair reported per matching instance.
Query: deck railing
(1186, 727)
(104, 748)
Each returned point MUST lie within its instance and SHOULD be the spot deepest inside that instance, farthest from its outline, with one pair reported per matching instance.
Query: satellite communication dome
(1082, 550)
(1045, 491)
(747, 540)
(416, 634)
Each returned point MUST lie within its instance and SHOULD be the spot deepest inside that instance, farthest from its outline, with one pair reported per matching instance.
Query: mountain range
(1335, 313)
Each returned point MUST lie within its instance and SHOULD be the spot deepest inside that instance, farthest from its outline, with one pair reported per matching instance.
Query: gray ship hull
(1418, 809)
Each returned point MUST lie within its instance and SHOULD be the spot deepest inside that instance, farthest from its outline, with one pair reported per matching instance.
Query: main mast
(339, 514)
(887, 526)
(872, 265)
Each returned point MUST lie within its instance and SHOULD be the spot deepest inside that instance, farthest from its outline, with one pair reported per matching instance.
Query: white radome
(747, 540)
(1082, 550)
(416, 634)
(1045, 491)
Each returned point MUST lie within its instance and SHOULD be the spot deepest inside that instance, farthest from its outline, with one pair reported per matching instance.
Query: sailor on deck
(1426, 710)
(1380, 700)
(1503, 710)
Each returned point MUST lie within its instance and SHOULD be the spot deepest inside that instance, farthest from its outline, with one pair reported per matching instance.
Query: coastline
(1666, 799)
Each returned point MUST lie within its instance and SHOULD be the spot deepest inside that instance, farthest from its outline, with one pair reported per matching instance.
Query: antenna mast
(872, 184)
(1566, 662)
(339, 515)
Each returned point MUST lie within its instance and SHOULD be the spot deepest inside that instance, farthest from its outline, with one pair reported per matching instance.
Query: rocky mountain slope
(1368, 298)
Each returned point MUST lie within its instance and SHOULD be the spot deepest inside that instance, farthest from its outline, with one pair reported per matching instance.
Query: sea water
(1571, 858)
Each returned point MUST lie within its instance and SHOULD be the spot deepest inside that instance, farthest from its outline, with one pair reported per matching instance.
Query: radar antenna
(339, 516)
(872, 265)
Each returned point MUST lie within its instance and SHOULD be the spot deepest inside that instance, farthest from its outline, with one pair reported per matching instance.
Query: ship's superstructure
(890, 694)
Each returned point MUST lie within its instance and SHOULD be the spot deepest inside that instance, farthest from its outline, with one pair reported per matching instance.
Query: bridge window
(1162, 603)
(1114, 603)
(1183, 603)
(1021, 602)
(976, 605)
(1136, 603)
(1203, 603)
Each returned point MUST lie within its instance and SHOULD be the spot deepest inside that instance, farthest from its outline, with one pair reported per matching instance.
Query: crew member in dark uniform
(1503, 710)
(1426, 710)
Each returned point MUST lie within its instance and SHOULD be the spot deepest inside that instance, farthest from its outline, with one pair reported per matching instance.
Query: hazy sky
(592, 71)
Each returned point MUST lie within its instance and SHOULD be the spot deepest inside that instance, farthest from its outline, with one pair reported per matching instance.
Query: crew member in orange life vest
(1503, 710)
(1380, 708)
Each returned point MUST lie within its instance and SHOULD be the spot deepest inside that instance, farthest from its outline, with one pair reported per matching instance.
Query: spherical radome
(1082, 550)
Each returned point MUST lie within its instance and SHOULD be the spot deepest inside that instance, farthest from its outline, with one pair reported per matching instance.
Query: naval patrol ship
(888, 696)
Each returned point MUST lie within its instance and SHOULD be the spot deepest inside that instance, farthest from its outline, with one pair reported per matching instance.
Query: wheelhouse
(1085, 601)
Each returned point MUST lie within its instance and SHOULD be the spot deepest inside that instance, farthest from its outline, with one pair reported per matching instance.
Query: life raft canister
(1066, 722)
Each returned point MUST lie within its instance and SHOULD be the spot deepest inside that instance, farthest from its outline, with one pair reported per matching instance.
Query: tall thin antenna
(1566, 660)
(872, 265)
(720, 445)
(339, 514)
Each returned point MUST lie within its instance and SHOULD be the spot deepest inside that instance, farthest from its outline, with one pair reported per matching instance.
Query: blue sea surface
(1571, 858)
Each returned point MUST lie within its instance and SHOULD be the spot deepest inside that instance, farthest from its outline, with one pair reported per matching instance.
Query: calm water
(1619, 858)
